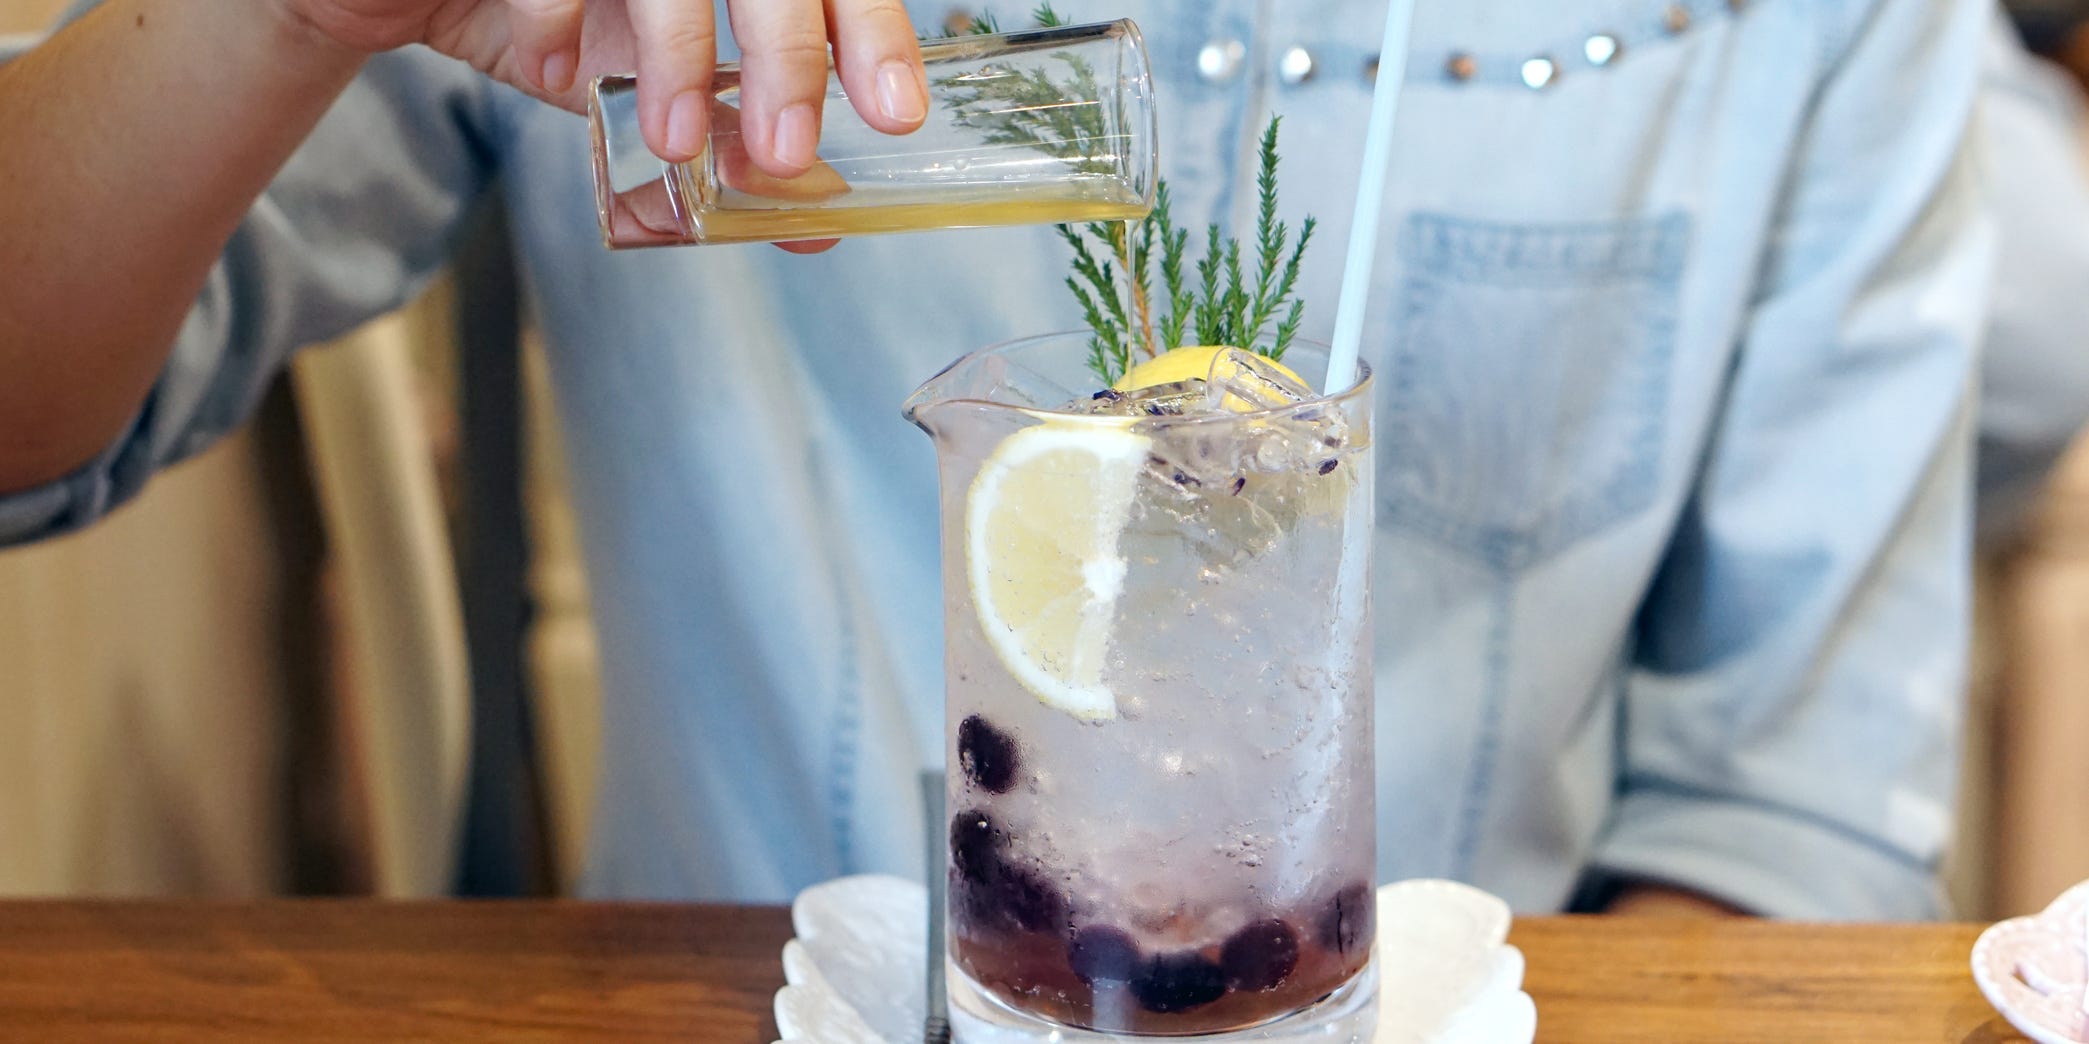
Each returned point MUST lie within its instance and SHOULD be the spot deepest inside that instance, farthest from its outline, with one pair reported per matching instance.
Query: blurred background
(349, 650)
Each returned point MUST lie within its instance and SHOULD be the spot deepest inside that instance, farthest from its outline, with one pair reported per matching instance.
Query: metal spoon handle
(936, 1027)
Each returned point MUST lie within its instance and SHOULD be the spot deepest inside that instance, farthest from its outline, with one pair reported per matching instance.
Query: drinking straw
(1370, 199)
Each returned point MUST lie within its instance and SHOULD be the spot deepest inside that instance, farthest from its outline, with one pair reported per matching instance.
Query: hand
(552, 48)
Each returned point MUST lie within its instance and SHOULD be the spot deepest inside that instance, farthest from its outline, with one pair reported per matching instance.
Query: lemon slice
(1042, 523)
(1175, 364)
(1194, 362)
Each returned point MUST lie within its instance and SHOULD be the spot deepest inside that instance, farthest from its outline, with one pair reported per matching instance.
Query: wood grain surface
(1623, 981)
(339, 971)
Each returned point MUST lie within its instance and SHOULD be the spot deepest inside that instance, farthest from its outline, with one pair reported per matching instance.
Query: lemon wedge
(1042, 524)
(1196, 362)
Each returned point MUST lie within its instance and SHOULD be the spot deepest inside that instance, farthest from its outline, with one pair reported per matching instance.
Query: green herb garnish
(1027, 109)
(1113, 262)
(1225, 305)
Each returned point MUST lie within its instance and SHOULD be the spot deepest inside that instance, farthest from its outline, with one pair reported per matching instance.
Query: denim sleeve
(1792, 712)
(2034, 394)
(358, 220)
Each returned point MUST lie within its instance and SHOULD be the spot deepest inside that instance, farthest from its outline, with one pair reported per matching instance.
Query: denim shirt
(1675, 359)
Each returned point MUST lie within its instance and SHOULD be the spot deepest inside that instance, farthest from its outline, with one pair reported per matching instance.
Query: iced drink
(1159, 691)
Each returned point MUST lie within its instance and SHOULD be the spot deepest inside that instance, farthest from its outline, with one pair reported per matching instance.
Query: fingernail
(900, 94)
(685, 124)
(797, 136)
(557, 74)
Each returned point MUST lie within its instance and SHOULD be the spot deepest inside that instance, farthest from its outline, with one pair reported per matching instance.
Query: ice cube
(1168, 400)
(1102, 402)
(1161, 400)
(1242, 381)
(1209, 458)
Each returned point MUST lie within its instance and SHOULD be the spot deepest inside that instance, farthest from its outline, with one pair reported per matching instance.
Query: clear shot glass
(1035, 127)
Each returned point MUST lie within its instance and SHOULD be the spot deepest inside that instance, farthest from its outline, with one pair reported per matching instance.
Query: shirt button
(1538, 73)
(1461, 67)
(958, 22)
(1295, 67)
(1220, 60)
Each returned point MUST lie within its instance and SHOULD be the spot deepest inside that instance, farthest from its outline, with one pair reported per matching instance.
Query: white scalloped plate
(2035, 970)
(1446, 972)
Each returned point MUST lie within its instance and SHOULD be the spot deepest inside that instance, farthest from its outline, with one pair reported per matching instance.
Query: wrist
(294, 34)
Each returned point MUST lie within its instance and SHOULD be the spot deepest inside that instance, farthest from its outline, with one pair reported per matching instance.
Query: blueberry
(1259, 956)
(1345, 924)
(1175, 982)
(1026, 900)
(975, 846)
(1100, 953)
(989, 891)
(987, 754)
(972, 904)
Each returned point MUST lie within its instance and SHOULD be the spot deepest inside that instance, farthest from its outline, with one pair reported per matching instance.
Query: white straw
(1370, 199)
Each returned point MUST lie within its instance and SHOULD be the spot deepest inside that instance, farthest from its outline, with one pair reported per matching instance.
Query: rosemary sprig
(1174, 244)
(1112, 279)
(1229, 303)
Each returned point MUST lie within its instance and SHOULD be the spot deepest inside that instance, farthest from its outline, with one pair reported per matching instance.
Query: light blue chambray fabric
(1676, 366)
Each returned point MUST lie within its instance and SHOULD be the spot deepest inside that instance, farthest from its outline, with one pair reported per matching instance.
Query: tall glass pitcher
(1157, 612)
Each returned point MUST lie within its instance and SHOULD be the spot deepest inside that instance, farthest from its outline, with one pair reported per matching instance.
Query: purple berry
(990, 892)
(988, 755)
(1259, 956)
(1346, 922)
(1176, 982)
(972, 904)
(975, 846)
(1100, 953)
(1027, 900)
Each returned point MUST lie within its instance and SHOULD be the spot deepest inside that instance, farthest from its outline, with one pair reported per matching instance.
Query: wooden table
(330, 971)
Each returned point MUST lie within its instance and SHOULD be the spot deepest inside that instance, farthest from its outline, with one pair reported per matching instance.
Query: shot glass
(1041, 126)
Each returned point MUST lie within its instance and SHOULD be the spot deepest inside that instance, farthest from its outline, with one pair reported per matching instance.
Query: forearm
(131, 145)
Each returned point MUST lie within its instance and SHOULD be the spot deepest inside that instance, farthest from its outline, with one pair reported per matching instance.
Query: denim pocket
(1525, 393)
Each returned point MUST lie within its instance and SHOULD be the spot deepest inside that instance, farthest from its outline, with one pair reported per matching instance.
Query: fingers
(677, 51)
(783, 52)
(880, 62)
(546, 36)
